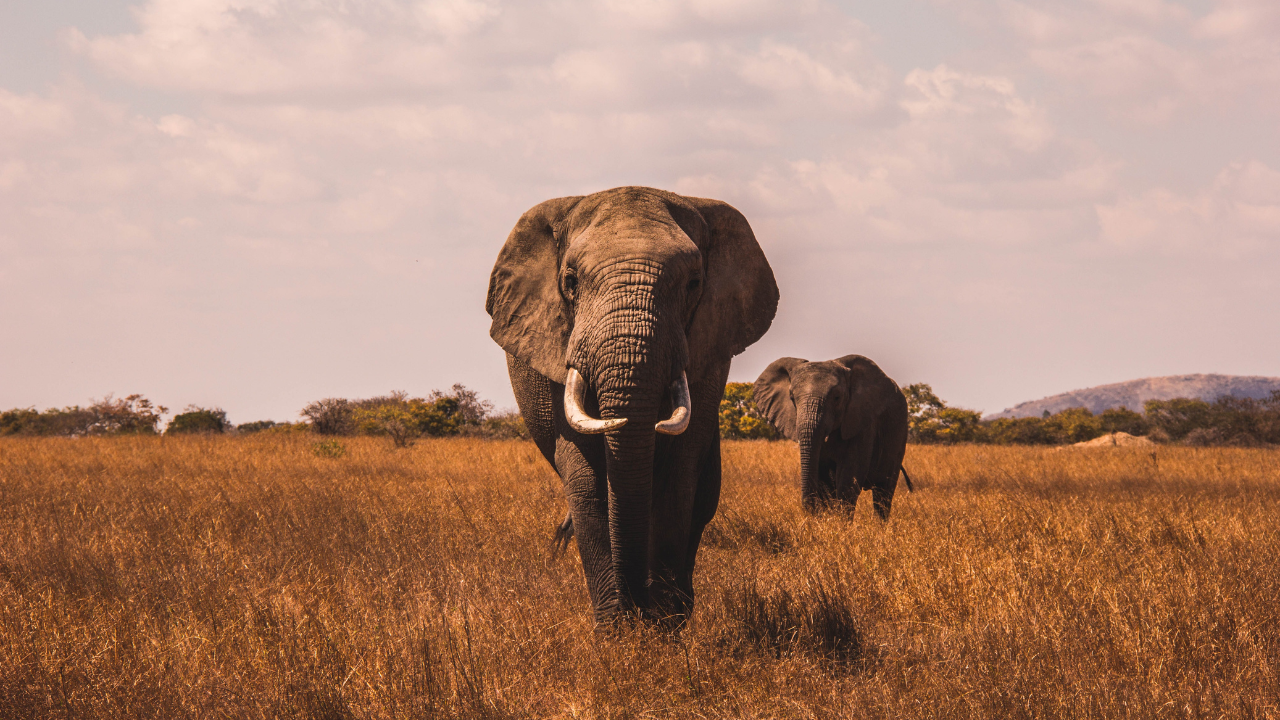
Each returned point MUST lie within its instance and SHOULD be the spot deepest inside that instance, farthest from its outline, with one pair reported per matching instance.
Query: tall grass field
(282, 577)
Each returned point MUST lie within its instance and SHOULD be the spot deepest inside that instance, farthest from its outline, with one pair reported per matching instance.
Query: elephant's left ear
(529, 317)
(772, 395)
(739, 295)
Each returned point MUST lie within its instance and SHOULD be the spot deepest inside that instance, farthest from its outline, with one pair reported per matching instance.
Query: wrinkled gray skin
(850, 420)
(629, 287)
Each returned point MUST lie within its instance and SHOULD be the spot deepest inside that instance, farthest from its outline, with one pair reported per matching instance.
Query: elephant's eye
(570, 283)
(694, 284)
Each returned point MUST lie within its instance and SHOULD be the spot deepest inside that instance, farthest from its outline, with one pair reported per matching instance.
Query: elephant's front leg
(828, 490)
(853, 466)
(686, 495)
(580, 460)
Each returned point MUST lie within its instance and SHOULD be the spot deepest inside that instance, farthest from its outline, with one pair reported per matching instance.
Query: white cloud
(1237, 216)
(351, 167)
(1144, 62)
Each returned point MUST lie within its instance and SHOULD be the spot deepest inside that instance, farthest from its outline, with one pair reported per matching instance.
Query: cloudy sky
(258, 203)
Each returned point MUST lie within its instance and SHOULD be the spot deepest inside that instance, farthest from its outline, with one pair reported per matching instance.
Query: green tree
(198, 420)
(331, 416)
(740, 419)
(1178, 417)
(133, 415)
(921, 399)
(948, 426)
(403, 419)
(437, 417)
(1072, 425)
(21, 421)
(1122, 419)
(395, 420)
(1015, 431)
(470, 409)
(929, 420)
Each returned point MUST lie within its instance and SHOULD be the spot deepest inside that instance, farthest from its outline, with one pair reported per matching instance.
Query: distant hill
(1134, 393)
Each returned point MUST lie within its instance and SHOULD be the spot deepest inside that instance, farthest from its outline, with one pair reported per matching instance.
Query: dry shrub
(814, 618)
(732, 531)
(244, 576)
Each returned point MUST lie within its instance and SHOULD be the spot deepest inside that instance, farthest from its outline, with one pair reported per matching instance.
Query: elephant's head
(619, 296)
(807, 402)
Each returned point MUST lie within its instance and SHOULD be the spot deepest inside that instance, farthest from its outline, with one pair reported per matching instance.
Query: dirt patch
(1116, 439)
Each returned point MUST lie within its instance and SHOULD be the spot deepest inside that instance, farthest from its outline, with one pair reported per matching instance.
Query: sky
(254, 204)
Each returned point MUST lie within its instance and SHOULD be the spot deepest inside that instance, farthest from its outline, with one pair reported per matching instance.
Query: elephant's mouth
(575, 391)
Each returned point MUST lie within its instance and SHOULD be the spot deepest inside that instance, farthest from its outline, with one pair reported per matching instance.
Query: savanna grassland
(254, 577)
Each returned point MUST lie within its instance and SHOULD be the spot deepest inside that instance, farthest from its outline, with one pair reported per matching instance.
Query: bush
(395, 420)
(441, 416)
(256, 426)
(507, 425)
(134, 415)
(1122, 419)
(402, 418)
(740, 419)
(930, 421)
(1072, 425)
(469, 408)
(814, 619)
(328, 449)
(1015, 431)
(22, 421)
(198, 420)
(1179, 416)
(331, 416)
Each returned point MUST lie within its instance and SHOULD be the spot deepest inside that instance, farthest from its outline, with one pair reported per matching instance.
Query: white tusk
(575, 390)
(679, 420)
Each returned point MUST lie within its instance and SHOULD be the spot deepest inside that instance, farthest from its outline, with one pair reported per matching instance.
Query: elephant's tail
(564, 533)
(910, 487)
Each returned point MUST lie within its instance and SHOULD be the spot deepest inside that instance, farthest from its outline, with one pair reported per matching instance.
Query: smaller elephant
(850, 420)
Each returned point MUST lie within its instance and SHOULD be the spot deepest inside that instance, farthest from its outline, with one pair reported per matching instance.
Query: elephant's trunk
(635, 393)
(808, 423)
(634, 367)
(629, 464)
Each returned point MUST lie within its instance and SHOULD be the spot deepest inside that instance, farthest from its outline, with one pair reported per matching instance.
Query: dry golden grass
(249, 577)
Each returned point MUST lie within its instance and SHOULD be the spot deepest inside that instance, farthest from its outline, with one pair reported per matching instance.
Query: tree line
(1229, 421)
(458, 411)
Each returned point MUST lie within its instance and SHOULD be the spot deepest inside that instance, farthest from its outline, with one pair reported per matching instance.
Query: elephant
(850, 420)
(619, 313)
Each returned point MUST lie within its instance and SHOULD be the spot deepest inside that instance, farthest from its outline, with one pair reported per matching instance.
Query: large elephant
(850, 420)
(620, 312)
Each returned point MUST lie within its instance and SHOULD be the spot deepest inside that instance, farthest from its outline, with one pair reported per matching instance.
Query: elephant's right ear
(773, 395)
(530, 320)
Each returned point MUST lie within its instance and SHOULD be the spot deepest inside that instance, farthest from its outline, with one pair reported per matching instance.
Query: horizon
(170, 412)
(253, 205)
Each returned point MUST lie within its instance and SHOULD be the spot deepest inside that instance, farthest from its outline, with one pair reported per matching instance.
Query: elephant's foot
(669, 611)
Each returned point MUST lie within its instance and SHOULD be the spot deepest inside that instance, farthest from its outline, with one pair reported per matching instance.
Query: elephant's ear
(739, 295)
(868, 391)
(529, 316)
(773, 395)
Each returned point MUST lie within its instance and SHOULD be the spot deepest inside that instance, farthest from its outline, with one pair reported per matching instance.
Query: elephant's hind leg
(891, 447)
